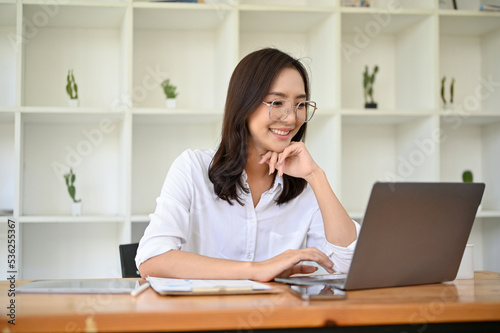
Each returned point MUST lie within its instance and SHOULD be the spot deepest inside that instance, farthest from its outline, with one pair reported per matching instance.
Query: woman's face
(270, 135)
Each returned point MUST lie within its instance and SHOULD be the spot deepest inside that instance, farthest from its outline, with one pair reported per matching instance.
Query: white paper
(168, 285)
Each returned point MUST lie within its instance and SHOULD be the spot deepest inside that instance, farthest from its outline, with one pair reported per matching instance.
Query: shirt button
(252, 221)
(249, 257)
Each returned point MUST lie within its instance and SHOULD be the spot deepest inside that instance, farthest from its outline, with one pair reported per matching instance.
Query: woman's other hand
(286, 264)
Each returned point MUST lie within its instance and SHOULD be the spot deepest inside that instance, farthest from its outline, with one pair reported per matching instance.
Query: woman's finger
(291, 150)
(265, 157)
(272, 162)
(304, 269)
(319, 257)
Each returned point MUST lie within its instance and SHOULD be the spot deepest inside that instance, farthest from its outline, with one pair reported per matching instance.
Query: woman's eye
(301, 105)
(277, 104)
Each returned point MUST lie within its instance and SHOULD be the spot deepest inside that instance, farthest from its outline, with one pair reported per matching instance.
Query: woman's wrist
(318, 176)
(249, 270)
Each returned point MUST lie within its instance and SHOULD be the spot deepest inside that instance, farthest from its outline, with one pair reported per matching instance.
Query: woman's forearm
(187, 265)
(339, 228)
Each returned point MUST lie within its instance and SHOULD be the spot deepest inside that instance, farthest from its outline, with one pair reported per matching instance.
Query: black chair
(127, 259)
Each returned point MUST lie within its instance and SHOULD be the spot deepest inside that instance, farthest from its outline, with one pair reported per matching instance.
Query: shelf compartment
(287, 4)
(473, 40)
(7, 160)
(8, 58)
(197, 55)
(140, 218)
(279, 20)
(166, 138)
(70, 115)
(177, 115)
(403, 47)
(382, 116)
(88, 39)
(494, 214)
(393, 148)
(490, 245)
(78, 15)
(372, 22)
(140, 222)
(468, 24)
(7, 115)
(312, 41)
(171, 16)
(323, 142)
(91, 144)
(472, 143)
(377, 5)
(71, 219)
(8, 14)
(93, 253)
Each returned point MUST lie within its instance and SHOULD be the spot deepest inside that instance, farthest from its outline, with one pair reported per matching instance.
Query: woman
(259, 204)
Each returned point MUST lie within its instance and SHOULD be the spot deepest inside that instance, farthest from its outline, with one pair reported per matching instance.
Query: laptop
(412, 234)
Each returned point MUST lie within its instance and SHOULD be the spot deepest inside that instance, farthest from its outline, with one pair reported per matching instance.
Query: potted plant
(368, 81)
(72, 89)
(76, 208)
(171, 93)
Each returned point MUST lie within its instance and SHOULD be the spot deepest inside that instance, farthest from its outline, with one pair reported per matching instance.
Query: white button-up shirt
(190, 217)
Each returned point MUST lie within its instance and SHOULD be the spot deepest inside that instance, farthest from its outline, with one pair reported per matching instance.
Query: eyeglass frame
(287, 112)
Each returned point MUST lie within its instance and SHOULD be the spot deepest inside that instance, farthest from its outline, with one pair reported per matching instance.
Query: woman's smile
(281, 133)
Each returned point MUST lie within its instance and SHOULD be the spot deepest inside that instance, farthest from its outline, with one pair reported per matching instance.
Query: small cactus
(71, 87)
(467, 176)
(70, 183)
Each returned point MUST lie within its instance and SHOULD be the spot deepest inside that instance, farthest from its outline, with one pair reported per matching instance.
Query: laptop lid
(413, 233)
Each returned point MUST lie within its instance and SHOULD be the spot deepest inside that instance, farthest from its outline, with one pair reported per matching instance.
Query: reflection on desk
(417, 307)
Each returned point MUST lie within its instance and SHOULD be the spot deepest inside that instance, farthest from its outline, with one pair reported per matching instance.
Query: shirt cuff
(155, 247)
(342, 255)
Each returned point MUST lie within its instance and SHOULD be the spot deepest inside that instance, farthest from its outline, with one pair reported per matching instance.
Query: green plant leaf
(72, 192)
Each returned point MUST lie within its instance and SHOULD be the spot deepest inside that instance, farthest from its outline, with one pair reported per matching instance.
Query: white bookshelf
(122, 140)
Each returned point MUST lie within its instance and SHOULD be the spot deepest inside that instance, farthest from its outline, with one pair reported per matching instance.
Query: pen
(139, 290)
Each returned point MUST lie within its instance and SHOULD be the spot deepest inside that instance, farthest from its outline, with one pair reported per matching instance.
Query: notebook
(172, 287)
(412, 233)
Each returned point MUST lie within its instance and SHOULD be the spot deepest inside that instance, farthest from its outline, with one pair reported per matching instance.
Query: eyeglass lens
(280, 108)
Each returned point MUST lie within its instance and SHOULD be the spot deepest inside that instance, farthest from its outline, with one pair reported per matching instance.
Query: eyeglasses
(279, 109)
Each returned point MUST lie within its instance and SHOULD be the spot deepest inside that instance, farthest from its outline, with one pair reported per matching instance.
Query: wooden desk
(476, 300)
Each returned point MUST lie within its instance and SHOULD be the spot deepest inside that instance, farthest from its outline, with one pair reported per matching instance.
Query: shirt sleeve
(169, 224)
(341, 256)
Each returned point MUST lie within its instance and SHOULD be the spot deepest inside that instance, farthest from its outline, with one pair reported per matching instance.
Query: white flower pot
(171, 103)
(73, 103)
(76, 208)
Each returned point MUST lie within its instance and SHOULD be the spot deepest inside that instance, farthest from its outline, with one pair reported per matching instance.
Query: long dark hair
(249, 84)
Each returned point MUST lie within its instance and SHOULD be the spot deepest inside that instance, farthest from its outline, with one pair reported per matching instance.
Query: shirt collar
(277, 185)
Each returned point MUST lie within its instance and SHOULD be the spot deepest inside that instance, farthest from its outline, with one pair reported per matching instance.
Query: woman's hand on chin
(294, 161)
